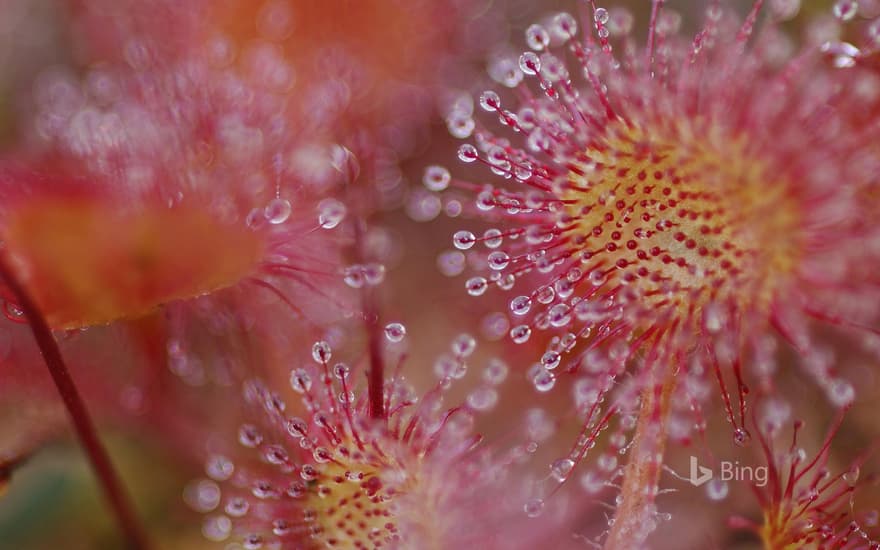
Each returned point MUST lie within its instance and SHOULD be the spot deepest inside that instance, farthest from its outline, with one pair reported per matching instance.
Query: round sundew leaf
(90, 261)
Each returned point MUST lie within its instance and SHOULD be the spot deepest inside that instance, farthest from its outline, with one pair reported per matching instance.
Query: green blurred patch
(53, 500)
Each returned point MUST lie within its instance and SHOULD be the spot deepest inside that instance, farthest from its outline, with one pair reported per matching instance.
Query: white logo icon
(699, 474)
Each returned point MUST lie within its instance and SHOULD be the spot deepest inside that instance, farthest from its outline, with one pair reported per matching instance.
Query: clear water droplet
(460, 125)
(463, 240)
(490, 101)
(321, 455)
(496, 371)
(492, 238)
(742, 437)
(464, 345)
(520, 305)
(843, 54)
(13, 312)
(219, 468)
(344, 161)
(395, 332)
(841, 393)
(845, 10)
(785, 9)
(498, 260)
(851, 477)
(281, 527)
(300, 381)
(476, 286)
(559, 315)
(448, 367)
(237, 507)
(277, 211)
(374, 274)
(537, 37)
(592, 482)
(505, 71)
(436, 178)
(520, 334)
(321, 352)
(506, 282)
(468, 153)
(534, 507)
(341, 371)
(249, 436)
(713, 318)
(544, 380)
(297, 427)
(717, 489)
(331, 212)
(252, 542)
(551, 360)
(451, 263)
(530, 64)
(217, 528)
(353, 276)
(482, 399)
(564, 26)
(874, 31)
(561, 468)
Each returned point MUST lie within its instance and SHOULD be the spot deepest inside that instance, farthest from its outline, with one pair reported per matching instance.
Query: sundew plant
(439, 274)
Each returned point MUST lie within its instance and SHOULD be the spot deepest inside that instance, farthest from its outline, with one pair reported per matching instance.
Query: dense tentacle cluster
(686, 199)
(328, 474)
(670, 212)
(805, 503)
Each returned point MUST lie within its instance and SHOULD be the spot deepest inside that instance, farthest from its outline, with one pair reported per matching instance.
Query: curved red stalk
(376, 375)
(376, 371)
(79, 415)
(350, 169)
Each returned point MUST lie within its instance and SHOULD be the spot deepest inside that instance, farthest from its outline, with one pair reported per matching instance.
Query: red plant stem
(369, 306)
(376, 374)
(350, 169)
(82, 422)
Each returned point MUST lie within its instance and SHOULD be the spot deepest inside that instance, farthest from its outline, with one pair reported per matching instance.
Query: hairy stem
(636, 511)
(79, 415)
